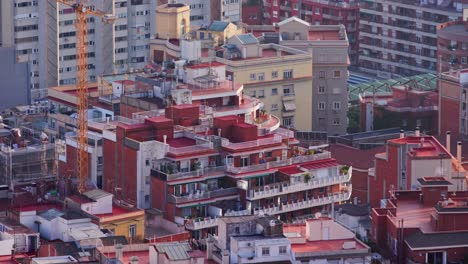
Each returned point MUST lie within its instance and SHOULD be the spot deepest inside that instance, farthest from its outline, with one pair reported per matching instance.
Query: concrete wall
(14, 80)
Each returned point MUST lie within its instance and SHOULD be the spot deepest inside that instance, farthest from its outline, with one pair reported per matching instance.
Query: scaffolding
(29, 164)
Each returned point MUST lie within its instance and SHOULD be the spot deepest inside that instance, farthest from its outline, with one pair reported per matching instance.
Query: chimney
(417, 132)
(165, 139)
(447, 141)
(219, 132)
(119, 251)
(459, 151)
(402, 133)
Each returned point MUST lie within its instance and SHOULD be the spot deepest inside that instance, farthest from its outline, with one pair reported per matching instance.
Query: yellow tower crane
(82, 10)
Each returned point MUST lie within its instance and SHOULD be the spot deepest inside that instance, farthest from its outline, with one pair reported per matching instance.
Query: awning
(289, 106)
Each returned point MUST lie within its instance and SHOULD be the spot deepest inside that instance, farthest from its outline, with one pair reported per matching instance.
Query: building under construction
(25, 156)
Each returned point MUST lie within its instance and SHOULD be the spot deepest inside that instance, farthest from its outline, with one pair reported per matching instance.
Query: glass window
(253, 77)
(288, 122)
(322, 106)
(132, 231)
(274, 74)
(288, 90)
(265, 251)
(274, 91)
(282, 250)
(261, 76)
(336, 121)
(322, 74)
(261, 93)
(337, 74)
(321, 89)
(336, 105)
(274, 107)
(287, 74)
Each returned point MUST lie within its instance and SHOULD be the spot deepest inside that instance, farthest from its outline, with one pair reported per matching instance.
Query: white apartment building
(43, 34)
(202, 12)
(399, 37)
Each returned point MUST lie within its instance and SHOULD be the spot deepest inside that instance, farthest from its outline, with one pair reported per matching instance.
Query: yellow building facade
(124, 222)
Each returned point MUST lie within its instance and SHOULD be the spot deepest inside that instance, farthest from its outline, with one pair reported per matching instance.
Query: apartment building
(278, 75)
(329, 48)
(452, 42)
(453, 89)
(319, 12)
(399, 38)
(423, 226)
(202, 12)
(409, 159)
(43, 34)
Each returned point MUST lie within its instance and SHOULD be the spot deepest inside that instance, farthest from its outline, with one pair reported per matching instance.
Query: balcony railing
(297, 187)
(209, 222)
(303, 204)
(191, 149)
(251, 144)
(276, 164)
(201, 195)
(203, 171)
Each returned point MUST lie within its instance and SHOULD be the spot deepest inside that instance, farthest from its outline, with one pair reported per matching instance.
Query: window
(274, 91)
(261, 76)
(336, 74)
(253, 77)
(265, 251)
(132, 231)
(435, 257)
(237, 230)
(253, 94)
(275, 13)
(288, 74)
(336, 121)
(288, 122)
(275, 2)
(322, 74)
(282, 250)
(418, 122)
(274, 74)
(322, 106)
(261, 93)
(288, 90)
(463, 60)
(268, 154)
(274, 107)
(336, 105)
(321, 90)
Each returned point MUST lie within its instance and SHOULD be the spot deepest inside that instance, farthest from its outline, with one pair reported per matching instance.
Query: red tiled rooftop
(429, 146)
(414, 214)
(37, 207)
(291, 170)
(324, 35)
(318, 164)
(325, 246)
(143, 256)
(116, 211)
(206, 65)
(181, 142)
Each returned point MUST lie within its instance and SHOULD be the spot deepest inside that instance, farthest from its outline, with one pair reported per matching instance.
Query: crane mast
(81, 25)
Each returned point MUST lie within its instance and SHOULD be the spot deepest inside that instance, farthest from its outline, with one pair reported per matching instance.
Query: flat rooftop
(428, 146)
(325, 35)
(414, 215)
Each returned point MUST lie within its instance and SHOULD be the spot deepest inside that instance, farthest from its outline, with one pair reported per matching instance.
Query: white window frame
(253, 77)
(322, 106)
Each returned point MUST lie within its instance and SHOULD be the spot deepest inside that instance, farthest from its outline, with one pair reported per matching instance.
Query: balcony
(286, 188)
(267, 124)
(209, 222)
(202, 195)
(276, 139)
(303, 204)
(202, 172)
(199, 148)
(277, 164)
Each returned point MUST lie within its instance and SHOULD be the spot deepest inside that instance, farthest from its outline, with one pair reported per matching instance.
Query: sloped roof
(247, 38)
(420, 240)
(296, 19)
(218, 25)
(96, 194)
(174, 251)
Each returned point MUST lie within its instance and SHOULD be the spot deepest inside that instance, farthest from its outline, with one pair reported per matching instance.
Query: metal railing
(191, 149)
(303, 204)
(204, 171)
(200, 194)
(209, 222)
(251, 144)
(276, 164)
(285, 188)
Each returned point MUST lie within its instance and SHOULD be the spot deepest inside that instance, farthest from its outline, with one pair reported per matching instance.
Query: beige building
(280, 76)
(172, 21)
(328, 45)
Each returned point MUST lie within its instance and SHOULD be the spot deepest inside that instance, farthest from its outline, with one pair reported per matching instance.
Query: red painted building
(408, 159)
(406, 107)
(319, 13)
(425, 226)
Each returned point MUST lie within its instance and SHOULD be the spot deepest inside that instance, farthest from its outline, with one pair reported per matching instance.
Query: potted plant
(196, 165)
(170, 168)
(344, 169)
(307, 177)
